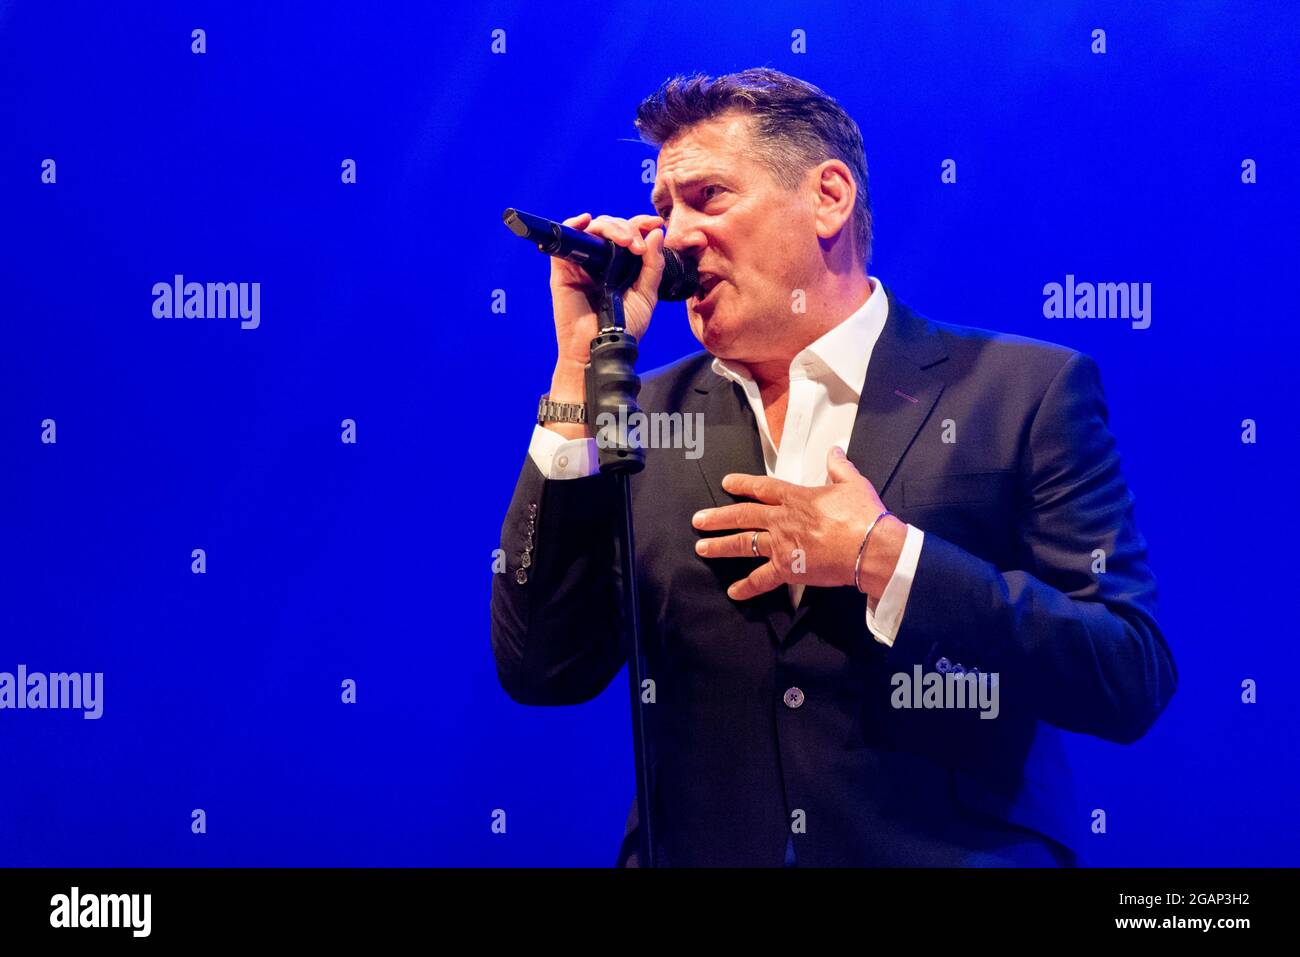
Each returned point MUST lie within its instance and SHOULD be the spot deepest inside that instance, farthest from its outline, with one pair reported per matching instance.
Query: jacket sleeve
(1078, 638)
(556, 620)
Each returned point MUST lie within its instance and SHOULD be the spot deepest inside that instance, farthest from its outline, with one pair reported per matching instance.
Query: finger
(762, 487)
(619, 231)
(760, 581)
(839, 468)
(646, 222)
(740, 545)
(652, 265)
(567, 273)
(749, 515)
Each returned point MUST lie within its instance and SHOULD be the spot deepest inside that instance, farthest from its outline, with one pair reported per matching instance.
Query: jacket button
(521, 576)
(793, 697)
(943, 665)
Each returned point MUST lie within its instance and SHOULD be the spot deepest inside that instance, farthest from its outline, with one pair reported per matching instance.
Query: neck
(838, 299)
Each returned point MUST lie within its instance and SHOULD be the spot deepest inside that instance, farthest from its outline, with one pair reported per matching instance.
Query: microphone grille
(681, 278)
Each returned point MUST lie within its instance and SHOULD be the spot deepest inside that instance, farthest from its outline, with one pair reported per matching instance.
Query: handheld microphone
(603, 260)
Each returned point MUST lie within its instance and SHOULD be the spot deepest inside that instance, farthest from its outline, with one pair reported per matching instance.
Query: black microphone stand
(612, 386)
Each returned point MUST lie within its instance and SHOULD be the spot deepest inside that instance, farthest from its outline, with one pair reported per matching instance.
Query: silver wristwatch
(548, 411)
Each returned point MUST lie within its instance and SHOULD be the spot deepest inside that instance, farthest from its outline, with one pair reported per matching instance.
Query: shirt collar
(843, 351)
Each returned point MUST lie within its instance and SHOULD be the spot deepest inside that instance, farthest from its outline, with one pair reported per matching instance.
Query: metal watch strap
(548, 411)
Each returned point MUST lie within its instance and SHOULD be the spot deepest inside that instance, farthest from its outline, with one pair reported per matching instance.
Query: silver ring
(753, 544)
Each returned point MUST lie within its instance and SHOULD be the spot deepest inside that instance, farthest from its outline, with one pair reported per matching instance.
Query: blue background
(372, 561)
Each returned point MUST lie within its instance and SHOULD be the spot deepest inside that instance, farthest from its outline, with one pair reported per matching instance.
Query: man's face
(755, 241)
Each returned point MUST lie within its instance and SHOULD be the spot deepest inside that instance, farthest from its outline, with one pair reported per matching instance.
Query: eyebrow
(656, 195)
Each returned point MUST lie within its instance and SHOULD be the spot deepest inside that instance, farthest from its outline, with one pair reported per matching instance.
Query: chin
(717, 334)
(714, 336)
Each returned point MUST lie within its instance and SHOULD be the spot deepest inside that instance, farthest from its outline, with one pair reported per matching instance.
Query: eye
(704, 193)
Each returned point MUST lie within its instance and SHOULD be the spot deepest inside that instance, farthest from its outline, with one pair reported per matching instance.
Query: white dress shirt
(826, 381)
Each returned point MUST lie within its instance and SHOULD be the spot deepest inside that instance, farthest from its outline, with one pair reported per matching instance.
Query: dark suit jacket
(1014, 511)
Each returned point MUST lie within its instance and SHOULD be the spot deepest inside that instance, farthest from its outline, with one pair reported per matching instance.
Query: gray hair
(796, 126)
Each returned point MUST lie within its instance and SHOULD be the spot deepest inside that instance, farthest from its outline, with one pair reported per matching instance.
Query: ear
(834, 195)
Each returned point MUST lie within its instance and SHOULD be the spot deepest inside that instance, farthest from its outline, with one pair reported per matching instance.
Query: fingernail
(697, 518)
(700, 547)
(839, 452)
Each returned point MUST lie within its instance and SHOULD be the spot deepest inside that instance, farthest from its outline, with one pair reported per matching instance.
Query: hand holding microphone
(575, 295)
(584, 250)
(626, 253)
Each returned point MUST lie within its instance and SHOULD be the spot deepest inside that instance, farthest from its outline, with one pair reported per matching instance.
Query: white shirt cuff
(885, 617)
(559, 458)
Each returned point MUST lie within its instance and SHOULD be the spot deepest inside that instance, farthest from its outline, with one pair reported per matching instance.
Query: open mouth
(708, 283)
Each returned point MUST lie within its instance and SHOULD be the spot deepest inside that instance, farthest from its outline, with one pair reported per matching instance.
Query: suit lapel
(731, 437)
(898, 395)
(732, 444)
(900, 390)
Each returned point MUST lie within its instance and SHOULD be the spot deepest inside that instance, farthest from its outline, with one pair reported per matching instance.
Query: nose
(682, 236)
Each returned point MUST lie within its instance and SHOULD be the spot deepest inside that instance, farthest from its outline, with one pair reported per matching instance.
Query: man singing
(905, 561)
